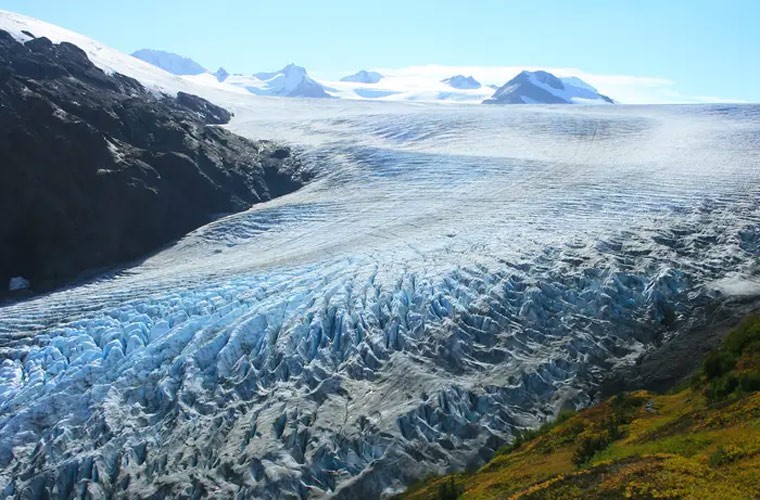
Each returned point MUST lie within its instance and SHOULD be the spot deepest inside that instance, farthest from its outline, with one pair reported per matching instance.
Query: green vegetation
(699, 442)
(450, 490)
(735, 367)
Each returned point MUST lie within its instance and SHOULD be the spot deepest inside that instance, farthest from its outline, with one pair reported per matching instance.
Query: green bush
(747, 333)
(718, 363)
(750, 382)
(450, 490)
(590, 446)
(723, 386)
(719, 367)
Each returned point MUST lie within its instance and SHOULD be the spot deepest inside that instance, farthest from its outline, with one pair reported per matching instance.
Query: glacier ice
(453, 273)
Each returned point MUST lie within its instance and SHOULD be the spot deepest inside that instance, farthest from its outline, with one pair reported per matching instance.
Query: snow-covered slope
(363, 76)
(541, 87)
(405, 88)
(462, 82)
(290, 81)
(167, 61)
(106, 58)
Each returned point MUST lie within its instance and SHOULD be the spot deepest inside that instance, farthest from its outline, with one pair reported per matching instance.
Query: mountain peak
(221, 74)
(292, 67)
(542, 87)
(363, 76)
(170, 62)
(290, 81)
(291, 70)
(462, 82)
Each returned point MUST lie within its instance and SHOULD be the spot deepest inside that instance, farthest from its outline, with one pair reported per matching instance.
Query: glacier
(453, 274)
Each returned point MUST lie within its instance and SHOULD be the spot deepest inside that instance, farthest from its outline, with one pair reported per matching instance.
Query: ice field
(454, 272)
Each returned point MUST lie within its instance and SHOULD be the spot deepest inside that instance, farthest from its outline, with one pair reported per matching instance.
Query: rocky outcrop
(97, 170)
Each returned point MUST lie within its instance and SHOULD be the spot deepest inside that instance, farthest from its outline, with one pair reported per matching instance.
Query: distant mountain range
(528, 87)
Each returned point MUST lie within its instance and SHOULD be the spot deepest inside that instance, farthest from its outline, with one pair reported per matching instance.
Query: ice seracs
(542, 87)
(462, 82)
(167, 61)
(363, 76)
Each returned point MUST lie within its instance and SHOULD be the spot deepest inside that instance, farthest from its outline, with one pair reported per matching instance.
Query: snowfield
(453, 273)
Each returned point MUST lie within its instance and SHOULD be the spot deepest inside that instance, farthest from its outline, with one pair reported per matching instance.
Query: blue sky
(688, 49)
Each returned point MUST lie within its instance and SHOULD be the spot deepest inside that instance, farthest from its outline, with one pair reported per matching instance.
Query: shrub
(723, 386)
(726, 455)
(732, 368)
(750, 381)
(718, 363)
(589, 446)
(450, 490)
(747, 333)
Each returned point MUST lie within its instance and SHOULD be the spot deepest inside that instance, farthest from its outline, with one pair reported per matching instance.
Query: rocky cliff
(97, 170)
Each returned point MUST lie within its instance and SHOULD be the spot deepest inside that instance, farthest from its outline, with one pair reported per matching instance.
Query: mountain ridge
(290, 81)
(462, 82)
(123, 170)
(542, 87)
(363, 76)
(171, 62)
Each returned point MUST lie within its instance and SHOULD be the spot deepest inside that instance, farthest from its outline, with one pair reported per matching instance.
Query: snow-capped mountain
(113, 61)
(290, 81)
(221, 74)
(167, 61)
(462, 82)
(541, 87)
(363, 76)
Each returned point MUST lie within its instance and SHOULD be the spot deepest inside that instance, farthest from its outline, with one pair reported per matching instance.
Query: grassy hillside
(699, 442)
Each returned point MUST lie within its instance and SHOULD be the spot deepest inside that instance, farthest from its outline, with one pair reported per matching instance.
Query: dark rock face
(204, 110)
(96, 170)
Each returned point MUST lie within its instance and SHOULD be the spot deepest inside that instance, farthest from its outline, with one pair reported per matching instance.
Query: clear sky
(700, 49)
